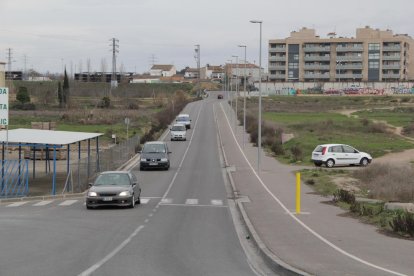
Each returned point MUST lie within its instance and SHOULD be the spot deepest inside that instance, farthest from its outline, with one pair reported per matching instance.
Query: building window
(373, 56)
(296, 57)
(293, 65)
(373, 46)
(290, 74)
(373, 64)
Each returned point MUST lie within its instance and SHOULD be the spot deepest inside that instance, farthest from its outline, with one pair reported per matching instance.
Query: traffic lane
(57, 240)
(284, 236)
(182, 240)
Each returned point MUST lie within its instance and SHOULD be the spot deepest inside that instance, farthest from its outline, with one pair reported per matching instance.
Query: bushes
(344, 196)
(403, 222)
(367, 209)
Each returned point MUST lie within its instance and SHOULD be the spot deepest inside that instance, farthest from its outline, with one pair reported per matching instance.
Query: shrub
(297, 153)
(277, 148)
(403, 222)
(105, 102)
(344, 196)
(22, 95)
(367, 209)
(310, 181)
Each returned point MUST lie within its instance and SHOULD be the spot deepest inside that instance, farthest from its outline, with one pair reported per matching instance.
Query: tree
(65, 94)
(60, 95)
(22, 95)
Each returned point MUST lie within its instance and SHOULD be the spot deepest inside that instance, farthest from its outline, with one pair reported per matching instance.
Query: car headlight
(143, 159)
(164, 159)
(125, 193)
(92, 194)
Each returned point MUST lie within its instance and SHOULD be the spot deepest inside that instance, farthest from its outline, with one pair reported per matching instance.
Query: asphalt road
(184, 225)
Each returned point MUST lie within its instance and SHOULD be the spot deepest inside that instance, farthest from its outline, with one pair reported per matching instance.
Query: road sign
(4, 106)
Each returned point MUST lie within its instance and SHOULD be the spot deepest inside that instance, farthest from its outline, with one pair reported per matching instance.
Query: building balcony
(391, 66)
(277, 58)
(390, 76)
(395, 48)
(316, 76)
(349, 58)
(277, 67)
(349, 49)
(394, 57)
(317, 49)
(277, 76)
(317, 58)
(349, 66)
(277, 50)
(348, 76)
(316, 67)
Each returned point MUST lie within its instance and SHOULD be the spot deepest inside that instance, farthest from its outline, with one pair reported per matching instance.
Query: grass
(321, 180)
(398, 117)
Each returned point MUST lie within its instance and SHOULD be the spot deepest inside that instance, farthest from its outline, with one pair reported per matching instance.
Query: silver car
(178, 132)
(114, 188)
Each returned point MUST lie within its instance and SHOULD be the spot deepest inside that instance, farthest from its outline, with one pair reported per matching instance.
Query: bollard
(297, 193)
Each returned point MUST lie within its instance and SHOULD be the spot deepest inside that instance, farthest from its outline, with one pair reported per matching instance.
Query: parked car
(114, 188)
(178, 132)
(219, 96)
(155, 155)
(339, 154)
(184, 119)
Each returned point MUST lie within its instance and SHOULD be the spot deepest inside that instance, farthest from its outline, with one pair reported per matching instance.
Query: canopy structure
(48, 139)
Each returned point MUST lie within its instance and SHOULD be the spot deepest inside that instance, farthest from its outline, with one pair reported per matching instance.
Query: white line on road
(43, 203)
(144, 200)
(217, 202)
(17, 204)
(166, 201)
(191, 201)
(68, 202)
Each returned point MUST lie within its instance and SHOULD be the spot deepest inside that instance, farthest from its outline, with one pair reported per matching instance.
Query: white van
(184, 119)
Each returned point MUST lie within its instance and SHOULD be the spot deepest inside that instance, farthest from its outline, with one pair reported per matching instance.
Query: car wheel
(132, 202)
(88, 207)
(141, 169)
(330, 163)
(318, 164)
(139, 200)
(364, 162)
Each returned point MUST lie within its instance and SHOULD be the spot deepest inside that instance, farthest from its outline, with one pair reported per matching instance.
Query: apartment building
(373, 55)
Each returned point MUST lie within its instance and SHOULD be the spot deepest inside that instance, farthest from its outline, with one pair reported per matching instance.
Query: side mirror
(90, 185)
(169, 151)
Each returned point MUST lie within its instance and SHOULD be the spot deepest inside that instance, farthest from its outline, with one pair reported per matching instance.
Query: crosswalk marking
(144, 200)
(191, 201)
(166, 200)
(68, 202)
(43, 203)
(217, 202)
(17, 204)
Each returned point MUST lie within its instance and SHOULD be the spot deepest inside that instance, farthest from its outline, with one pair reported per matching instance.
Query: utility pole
(197, 57)
(115, 50)
(9, 76)
(25, 67)
(153, 60)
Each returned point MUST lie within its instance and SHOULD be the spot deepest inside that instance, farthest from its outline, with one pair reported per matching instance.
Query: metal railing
(14, 178)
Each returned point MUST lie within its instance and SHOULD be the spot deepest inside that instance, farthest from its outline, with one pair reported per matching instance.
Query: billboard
(4, 106)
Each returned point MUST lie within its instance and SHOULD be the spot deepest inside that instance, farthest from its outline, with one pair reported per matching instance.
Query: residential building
(373, 55)
(212, 72)
(251, 71)
(191, 73)
(2, 75)
(163, 70)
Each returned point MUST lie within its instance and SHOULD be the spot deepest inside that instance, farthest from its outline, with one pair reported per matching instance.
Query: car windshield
(183, 119)
(115, 179)
(178, 128)
(154, 148)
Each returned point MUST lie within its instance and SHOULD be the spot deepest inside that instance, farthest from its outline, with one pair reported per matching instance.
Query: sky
(49, 35)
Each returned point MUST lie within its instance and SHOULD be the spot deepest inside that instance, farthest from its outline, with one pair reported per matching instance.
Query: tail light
(323, 150)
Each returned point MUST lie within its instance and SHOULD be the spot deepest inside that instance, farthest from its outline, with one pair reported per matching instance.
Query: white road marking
(191, 201)
(43, 203)
(144, 200)
(166, 201)
(216, 202)
(68, 202)
(17, 204)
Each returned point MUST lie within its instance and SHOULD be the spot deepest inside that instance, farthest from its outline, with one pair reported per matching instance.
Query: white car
(184, 119)
(178, 132)
(339, 154)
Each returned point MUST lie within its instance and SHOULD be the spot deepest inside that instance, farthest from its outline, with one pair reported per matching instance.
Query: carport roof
(46, 137)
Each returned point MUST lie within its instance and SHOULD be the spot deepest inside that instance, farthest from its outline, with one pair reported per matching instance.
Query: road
(184, 225)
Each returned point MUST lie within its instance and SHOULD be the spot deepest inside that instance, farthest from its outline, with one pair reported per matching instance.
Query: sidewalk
(321, 240)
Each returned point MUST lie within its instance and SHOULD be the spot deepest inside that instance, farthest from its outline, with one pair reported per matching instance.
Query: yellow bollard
(298, 193)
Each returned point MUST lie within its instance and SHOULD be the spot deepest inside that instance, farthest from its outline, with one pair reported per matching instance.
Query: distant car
(178, 132)
(155, 155)
(184, 119)
(114, 188)
(339, 154)
(219, 96)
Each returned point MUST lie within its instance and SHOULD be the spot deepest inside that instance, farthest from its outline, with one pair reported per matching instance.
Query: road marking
(68, 202)
(166, 201)
(144, 200)
(194, 205)
(43, 203)
(216, 202)
(191, 201)
(17, 204)
(313, 232)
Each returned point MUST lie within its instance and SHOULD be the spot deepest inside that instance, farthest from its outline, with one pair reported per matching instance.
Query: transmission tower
(115, 50)
(197, 58)
(153, 59)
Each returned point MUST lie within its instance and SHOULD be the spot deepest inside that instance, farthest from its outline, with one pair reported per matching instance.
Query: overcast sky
(57, 33)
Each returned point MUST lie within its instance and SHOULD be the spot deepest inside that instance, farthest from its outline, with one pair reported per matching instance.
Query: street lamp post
(259, 134)
(237, 91)
(338, 64)
(244, 94)
(229, 95)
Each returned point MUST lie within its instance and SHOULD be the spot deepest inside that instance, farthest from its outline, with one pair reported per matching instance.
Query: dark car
(155, 155)
(219, 96)
(114, 188)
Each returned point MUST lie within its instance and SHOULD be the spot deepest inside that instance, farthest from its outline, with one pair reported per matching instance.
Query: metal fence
(14, 178)
(83, 171)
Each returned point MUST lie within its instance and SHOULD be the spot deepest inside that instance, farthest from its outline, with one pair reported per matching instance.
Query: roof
(46, 137)
(165, 67)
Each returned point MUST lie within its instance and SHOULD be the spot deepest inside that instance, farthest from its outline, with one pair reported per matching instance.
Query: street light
(244, 94)
(237, 90)
(338, 64)
(229, 96)
(259, 134)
